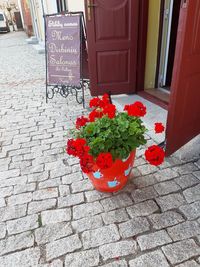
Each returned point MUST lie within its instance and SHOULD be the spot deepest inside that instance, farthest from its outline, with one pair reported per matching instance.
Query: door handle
(89, 9)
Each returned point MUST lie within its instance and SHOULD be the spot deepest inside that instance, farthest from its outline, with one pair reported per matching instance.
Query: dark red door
(112, 28)
(184, 110)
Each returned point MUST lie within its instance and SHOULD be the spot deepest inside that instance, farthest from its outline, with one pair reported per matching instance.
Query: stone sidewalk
(50, 215)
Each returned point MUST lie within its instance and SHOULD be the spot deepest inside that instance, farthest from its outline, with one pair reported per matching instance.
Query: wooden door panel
(112, 46)
(110, 15)
(115, 60)
(184, 109)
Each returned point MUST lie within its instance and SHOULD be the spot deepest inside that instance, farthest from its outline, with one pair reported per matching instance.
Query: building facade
(12, 3)
(12, 11)
(39, 8)
(26, 17)
(75, 6)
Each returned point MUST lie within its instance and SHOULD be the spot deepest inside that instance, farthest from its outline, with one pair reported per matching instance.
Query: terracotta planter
(114, 178)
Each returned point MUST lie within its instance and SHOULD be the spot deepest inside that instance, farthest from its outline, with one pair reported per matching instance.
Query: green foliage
(119, 135)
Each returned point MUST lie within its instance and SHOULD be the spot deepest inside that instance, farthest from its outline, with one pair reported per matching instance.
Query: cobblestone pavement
(50, 215)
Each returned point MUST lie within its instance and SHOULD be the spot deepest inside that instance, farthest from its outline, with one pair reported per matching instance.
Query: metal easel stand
(66, 90)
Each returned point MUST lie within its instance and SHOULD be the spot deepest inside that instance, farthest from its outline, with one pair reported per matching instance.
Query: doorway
(165, 41)
(169, 26)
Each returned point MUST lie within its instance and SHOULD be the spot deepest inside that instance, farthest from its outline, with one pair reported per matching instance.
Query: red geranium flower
(81, 122)
(95, 114)
(87, 163)
(95, 102)
(104, 160)
(77, 148)
(105, 100)
(81, 147)
(126, 107)
(110, 110)
(155, 155)
(137, 109)
(70, 149)
(159, 127)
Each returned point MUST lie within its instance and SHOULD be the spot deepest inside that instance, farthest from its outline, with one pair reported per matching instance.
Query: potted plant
(106, 142)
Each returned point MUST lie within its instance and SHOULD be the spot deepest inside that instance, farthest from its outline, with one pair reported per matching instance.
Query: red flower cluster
(96, 102)
(87, 163)
(102, 107)
(159, 127)
(109, 110)
(105, 100)
(77, 148)
(155, 155)
(81, 122)
(71, 148)
(137, 109)
(104, 160)
(95, 114)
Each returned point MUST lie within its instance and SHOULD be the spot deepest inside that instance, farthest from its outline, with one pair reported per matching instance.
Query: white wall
(40, 19)
(76, 5)
(51, 7)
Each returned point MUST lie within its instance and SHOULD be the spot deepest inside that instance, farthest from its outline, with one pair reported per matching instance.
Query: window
(61, 5)
(1, 17)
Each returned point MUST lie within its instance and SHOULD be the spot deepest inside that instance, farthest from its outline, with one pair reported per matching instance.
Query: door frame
(162, 5)
(166, 29)
(142, 43)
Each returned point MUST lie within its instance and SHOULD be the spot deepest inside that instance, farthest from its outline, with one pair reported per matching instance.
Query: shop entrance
(161, 45)
(116, 50)
(170, 11)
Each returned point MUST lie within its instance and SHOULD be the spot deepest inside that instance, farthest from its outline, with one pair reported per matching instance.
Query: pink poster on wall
(63, 50)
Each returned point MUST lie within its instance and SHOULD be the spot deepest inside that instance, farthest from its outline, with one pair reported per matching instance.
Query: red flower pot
(112, 179)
